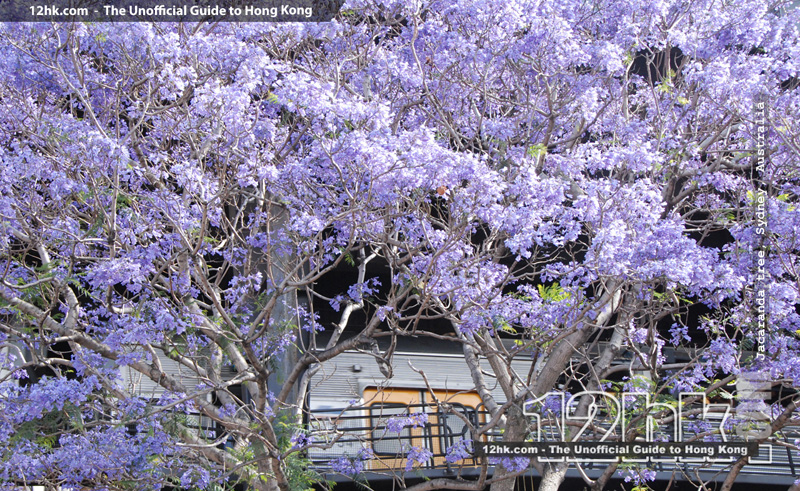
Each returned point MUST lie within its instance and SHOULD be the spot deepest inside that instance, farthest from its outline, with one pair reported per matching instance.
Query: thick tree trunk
(271, 469)
(269, 485)
(515, 431)
(553, 476)
(554, 364)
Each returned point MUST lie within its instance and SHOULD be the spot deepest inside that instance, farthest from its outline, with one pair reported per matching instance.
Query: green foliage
(296, 466)
(123, 201)
(535, 151)
(552, 293)
(46, 430)
(500, 323)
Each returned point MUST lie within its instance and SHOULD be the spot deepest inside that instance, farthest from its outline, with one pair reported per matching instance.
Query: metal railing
(346, 432)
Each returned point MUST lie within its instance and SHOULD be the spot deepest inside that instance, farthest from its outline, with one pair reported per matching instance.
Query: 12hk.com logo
(596, 426)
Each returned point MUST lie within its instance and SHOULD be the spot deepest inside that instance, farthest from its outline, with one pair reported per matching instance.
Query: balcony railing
(346, 432)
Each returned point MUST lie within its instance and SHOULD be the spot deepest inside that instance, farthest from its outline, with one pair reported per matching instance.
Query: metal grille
(348, 431)
(345, 432)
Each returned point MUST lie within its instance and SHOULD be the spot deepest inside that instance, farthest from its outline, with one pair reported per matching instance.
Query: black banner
(168, 10)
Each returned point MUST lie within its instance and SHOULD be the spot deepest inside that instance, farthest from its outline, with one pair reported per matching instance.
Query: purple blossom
(366, 454)
(639, 476)
(199, 478)
(301, 440)
(511, 464)
(347, 466)
(396, 424)
(417, 455)
(679, 334)
(460, 450)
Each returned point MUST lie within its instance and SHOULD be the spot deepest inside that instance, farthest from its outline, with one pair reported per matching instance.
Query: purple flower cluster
(396, 424)
(347, 466)
(418, 456)
(301, 440)
(460, 450)
(638, 476)
(352, 466)
(511, 464)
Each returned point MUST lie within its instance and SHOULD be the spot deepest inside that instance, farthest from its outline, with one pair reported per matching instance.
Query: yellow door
(448, 428)
(442, 431)
(389, 447)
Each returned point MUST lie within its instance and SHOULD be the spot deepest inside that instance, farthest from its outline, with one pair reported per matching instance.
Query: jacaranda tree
(556, 173)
